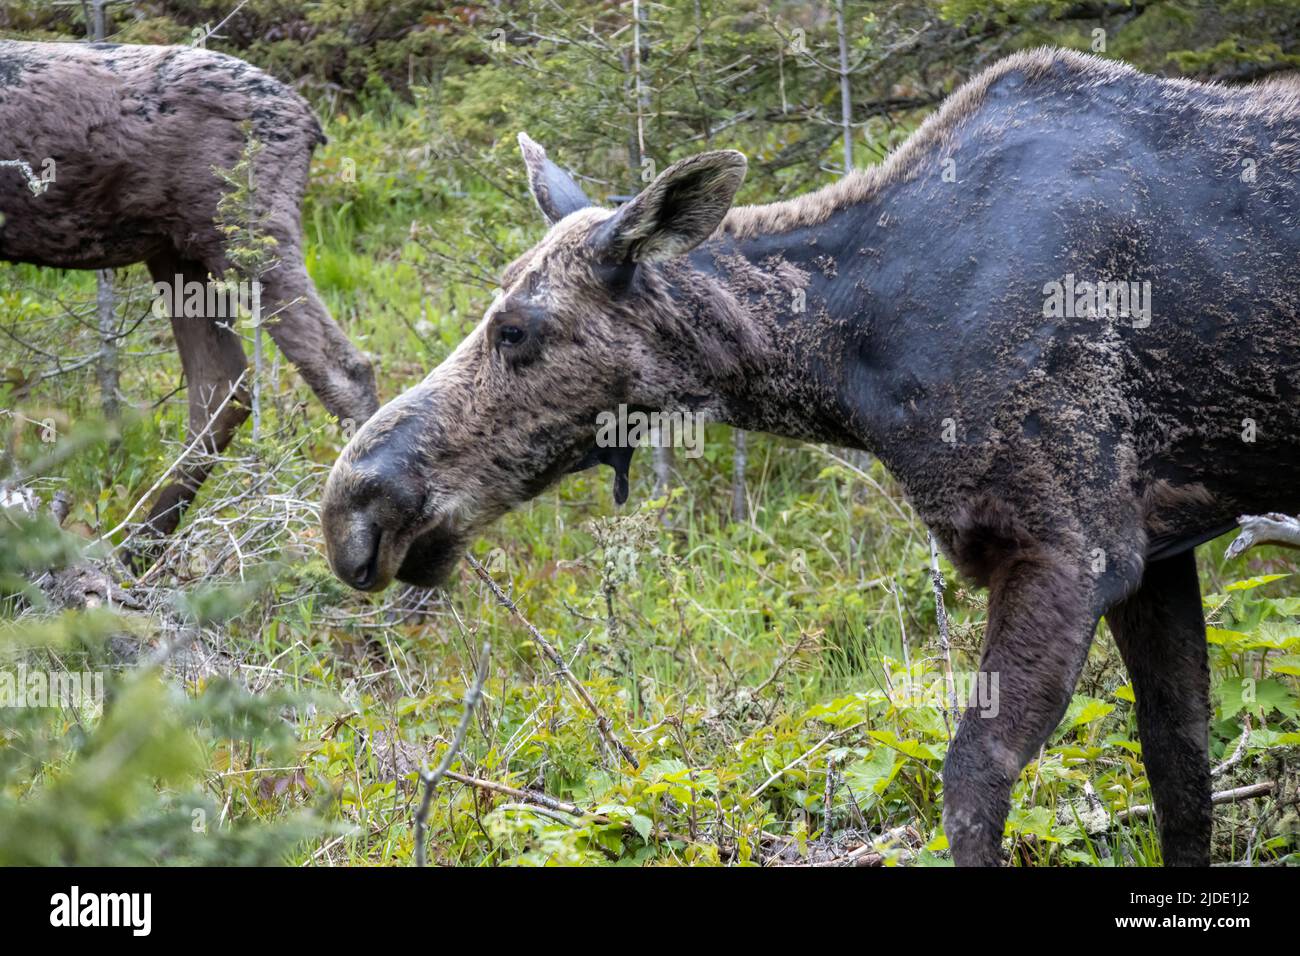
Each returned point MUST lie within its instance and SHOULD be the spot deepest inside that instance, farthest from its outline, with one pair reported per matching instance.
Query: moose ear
(676, 212)
(556, 193)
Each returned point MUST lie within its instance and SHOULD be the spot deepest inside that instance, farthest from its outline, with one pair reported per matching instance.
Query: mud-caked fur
(132, 135)
(1070, 461)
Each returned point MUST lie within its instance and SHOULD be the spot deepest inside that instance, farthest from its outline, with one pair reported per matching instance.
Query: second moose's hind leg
(213, 361)
(1160, 631)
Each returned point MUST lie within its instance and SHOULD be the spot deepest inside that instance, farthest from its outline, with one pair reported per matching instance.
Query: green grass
(744, 665)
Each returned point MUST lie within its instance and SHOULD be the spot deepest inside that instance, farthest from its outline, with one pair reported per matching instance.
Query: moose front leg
(1160, 631)
(301, 326)
(1040, 625)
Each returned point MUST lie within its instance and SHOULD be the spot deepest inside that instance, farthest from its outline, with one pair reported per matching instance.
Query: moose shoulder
(1054, 314)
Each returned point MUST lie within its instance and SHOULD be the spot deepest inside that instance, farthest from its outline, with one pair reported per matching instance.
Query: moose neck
(793, 307)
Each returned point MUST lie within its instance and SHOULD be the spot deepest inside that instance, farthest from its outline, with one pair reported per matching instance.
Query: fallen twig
(1235, 795)
(1237, 753)
(1272, 528)
(547, 802)
(540, 811)
(899, 843)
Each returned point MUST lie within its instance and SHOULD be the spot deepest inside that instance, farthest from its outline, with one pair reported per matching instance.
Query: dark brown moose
(1065, 314)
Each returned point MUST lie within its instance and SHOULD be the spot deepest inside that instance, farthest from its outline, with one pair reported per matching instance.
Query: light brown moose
(132, 135)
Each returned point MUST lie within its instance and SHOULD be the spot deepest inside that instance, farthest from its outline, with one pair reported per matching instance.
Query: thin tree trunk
(705, 121)
(274, 384)
(846, 102)
(106, 366)
(859, 458)
(636, 78)
(257, 358)
(739, 458)
(250, 219)
(739, 453)
(663, 455)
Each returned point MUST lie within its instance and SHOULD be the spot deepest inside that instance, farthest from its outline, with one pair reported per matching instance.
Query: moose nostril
(366, 571)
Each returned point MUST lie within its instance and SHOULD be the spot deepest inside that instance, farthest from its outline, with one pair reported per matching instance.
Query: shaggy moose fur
(1068, 458)
(134, 133)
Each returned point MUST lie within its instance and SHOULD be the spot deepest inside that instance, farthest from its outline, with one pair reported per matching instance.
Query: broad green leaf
(1092, 710)
(1037, 821)
(642, 825)
(1257, 697)
(1219, 635)
(1255, 582)
(912, 748)
(875, 773)
(1287, 606)
(1290, 664)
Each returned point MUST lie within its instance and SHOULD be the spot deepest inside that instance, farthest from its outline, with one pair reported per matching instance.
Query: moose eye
(517, 335)
(511, 334)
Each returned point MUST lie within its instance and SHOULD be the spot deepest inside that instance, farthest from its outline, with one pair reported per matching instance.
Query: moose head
(606, 311)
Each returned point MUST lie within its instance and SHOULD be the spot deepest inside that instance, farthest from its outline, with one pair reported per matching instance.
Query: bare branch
(1271, 528)
(430, 780)
(602, 722)
(1235, 795)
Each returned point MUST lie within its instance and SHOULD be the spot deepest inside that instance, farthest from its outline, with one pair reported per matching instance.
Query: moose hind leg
(213, 361)
(1160, 631)
(1040, 625)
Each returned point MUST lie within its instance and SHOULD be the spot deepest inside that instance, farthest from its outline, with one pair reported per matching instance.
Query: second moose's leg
(301, 326)
(212, 358)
